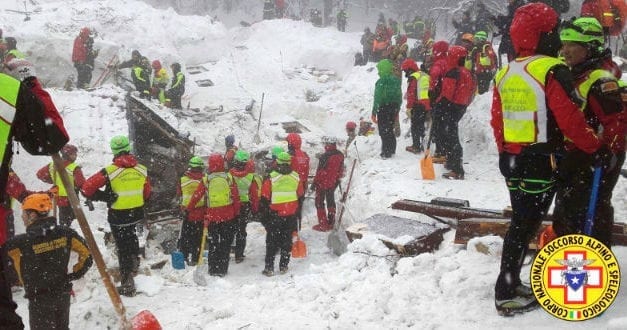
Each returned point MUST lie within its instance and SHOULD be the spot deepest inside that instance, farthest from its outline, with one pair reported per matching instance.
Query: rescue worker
(437, 70)
(12, 52)
(3, 47)
(417, 103)
(139, 73)
(40, 259)
(603, 107)
(223, 205)
(248, 187)
(342, 19)
(159, 81)
(458, 90)
(268, 9)
(484, 61)
(300, 163)
(387, 102)
(193, 215)
(31, 119)
(127, 188)
(528, 131)
(15, 189)
(351, 133)
(231, 149)
(328, 174)
(367, 39)
(177, 87)
(280, 193)
(83, 57)
(49, 174)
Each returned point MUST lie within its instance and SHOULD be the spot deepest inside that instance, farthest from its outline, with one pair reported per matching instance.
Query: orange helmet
(39, 202)
(468, 37)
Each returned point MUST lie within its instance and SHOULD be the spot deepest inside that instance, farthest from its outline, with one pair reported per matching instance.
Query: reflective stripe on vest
(584, 88)
(56, 178)
(243, 186)
(17, 54)
(259, 181)
(218, 189)
(9, 89)
(521, 87)
(128, 184)
(188, 187)
(422, 85)
(284, 187)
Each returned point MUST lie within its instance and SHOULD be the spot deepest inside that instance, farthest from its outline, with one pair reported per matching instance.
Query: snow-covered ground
(366, 288)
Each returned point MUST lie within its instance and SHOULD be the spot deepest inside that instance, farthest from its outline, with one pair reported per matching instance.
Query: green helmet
(196, 162)
(283, 158)
(241, 156)
(276, 150)
(120, 144)
(481, 35)
(582, 30)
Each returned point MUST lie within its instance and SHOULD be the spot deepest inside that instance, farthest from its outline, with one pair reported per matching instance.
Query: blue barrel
(178, 260)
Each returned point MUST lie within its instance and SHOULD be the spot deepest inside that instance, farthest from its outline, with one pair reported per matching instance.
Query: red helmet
(156, 65)
(69, 150)
(351, 125)
(409, 64)
(440, 48)
(216, 163)
(455, 54)
(85, 32)
(294, 140)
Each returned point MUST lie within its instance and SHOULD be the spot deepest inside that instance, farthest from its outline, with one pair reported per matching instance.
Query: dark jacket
(40, 257)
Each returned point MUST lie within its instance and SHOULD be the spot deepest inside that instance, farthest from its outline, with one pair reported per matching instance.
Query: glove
(604, 158)
(374, 118)
(89, 204)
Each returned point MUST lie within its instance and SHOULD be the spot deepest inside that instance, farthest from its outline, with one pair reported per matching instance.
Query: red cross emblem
(575, 264)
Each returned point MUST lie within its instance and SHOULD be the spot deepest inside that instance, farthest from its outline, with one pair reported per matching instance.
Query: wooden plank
(445, 211)
(477, 227)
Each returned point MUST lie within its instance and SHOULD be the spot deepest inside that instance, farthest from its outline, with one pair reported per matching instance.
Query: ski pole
(596, 182)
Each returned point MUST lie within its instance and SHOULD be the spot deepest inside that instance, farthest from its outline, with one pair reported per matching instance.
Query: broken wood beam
(445, 211)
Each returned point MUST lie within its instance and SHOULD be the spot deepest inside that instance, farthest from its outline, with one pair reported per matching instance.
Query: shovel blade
(199, 274)
(299, 249)
(145, 320)
(336, 244)
(426, 167)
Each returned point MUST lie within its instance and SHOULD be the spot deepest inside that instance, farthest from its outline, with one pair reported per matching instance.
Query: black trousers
(241, 221)
(279, 239)
(123, 228)
(220, 246)
(574, 187)
(530, 181)
(189, 243)
(49, 311)
(66, 216)
(8, 317)
(83, 73)
(450, 139)
(418, 116)
(386, 116)
(438, 119)
(483, 81)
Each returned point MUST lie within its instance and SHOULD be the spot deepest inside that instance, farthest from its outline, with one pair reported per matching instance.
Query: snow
(369, 286)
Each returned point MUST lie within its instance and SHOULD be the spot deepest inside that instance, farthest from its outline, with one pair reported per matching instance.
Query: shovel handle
(345, 195)
(91, 242)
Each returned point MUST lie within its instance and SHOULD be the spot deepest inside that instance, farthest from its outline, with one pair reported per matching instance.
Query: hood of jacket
(385, 67)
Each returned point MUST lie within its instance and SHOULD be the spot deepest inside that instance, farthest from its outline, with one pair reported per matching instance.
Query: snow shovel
(426, 164)
(142, 321)
(337, 241)
(299, 249)
(201, 267)
(257, 138)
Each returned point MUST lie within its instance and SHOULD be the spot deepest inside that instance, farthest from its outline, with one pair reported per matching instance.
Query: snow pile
(367, 287)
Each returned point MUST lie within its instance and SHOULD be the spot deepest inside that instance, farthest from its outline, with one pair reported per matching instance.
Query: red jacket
(14, 189)
(599, 10)
(300, 164)
(193, 213)
(79, 52)
(43, 174)
(569, 118)
(458, 86)
(220, 213)
(253, 191)
(330, 168)
(436, 74)
(100, 179)
(412, 100)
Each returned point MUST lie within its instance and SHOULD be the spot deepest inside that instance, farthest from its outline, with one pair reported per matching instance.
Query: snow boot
(453, 175)
(127, 286)
(323, 222)
(268, 272)
(413, 150)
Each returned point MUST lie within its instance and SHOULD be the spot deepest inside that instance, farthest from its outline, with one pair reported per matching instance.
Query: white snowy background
(368, 287)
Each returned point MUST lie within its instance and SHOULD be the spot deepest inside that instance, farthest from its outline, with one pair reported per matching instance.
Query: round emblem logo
(575, 277)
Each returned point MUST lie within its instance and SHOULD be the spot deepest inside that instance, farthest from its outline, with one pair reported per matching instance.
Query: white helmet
(329, 139)
(20, 69)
